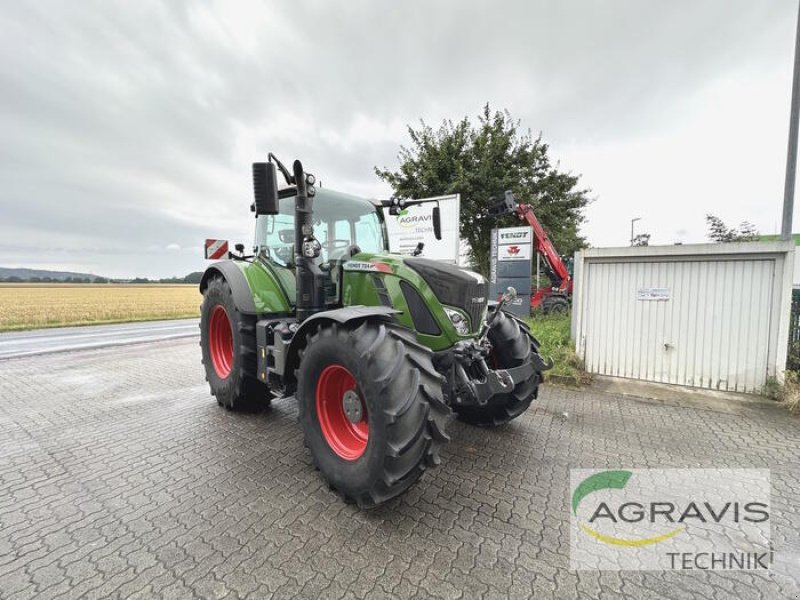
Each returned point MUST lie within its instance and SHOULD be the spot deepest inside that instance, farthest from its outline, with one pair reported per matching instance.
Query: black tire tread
(518, 346)
(410, 392)
(249, 393)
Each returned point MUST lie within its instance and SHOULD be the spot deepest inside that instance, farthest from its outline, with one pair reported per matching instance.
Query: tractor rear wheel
(371, 407)
(228, 342)
(512, 346)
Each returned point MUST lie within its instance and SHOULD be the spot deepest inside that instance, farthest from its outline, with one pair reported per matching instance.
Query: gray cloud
(128, 128)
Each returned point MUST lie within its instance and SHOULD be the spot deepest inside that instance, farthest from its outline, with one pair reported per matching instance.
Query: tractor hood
(454, 286)
(422, 289)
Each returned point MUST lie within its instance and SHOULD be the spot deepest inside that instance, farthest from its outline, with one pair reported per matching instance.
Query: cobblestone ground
(121, 477)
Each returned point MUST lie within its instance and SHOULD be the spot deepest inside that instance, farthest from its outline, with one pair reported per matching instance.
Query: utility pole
(791, 153)
(632, 222)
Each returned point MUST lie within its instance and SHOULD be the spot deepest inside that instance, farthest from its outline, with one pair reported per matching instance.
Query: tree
(483, 160)
(720, 233)
(643, 239)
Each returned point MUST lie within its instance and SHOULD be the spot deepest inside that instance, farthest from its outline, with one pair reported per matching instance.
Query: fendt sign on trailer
(414, 224)
(511, 253)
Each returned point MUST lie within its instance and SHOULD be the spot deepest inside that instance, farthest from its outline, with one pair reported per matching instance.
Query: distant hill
(15, 274)
(26, 274)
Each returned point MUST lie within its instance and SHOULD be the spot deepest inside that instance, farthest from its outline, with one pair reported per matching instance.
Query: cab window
(340, 221)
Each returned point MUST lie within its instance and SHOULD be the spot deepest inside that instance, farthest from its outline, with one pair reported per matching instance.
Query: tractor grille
(455, 287)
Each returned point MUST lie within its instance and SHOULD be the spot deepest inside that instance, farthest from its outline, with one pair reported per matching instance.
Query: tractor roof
(329, 203)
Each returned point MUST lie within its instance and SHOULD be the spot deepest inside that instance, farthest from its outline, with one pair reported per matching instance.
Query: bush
(552, 331)
(790, 395)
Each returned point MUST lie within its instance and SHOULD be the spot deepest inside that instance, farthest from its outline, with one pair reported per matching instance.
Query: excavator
(555, 298)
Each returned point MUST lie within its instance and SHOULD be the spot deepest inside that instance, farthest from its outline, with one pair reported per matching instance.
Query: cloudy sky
(127, 128)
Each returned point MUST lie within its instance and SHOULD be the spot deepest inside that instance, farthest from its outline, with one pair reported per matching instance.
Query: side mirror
(437, 222)
(265, 188)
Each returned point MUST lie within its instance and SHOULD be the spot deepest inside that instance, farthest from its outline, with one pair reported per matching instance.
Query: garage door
(696, 323)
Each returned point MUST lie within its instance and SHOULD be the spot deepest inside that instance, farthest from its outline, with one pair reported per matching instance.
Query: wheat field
(34, 305)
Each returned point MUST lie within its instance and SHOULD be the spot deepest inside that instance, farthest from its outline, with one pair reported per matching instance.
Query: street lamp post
(791, 153)
(632, 222)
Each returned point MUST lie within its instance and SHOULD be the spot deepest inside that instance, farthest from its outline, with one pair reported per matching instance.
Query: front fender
(340, 315)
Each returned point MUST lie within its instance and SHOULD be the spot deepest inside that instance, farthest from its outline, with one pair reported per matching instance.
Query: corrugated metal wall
(716, 329)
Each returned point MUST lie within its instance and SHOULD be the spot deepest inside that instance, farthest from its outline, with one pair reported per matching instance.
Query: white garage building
(713, 315)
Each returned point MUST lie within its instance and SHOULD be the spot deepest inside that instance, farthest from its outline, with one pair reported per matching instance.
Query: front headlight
(458, 320)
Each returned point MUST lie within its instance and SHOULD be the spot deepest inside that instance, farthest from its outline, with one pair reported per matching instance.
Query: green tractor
(378, 349)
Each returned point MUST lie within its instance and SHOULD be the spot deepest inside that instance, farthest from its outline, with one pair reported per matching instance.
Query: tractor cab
(344, 225)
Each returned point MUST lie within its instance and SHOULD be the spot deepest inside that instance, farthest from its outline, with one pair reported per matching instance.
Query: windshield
(340, 221)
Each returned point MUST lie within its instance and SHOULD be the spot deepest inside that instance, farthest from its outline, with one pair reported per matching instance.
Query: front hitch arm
(500, 381)
(492, 381)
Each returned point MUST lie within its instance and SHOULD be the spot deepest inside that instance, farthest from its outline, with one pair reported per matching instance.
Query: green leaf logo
(599, 481)
(612, 480)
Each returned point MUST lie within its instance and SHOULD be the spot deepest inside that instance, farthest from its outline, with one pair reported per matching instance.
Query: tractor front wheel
(371, 407)
(512, 346)
(228, 342)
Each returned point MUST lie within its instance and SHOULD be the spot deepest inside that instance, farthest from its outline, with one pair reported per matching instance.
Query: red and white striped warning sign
(216, 249)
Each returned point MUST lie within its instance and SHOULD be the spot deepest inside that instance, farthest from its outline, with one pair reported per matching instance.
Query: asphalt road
(120, 477)
(61, 339)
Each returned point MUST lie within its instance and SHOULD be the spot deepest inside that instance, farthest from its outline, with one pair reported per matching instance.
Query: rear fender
(256, 288)
(242, 296)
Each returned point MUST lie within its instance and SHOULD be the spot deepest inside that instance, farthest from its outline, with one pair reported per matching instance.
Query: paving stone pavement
(120, 477)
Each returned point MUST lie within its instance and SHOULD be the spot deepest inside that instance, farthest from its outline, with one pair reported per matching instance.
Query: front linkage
(490, 368)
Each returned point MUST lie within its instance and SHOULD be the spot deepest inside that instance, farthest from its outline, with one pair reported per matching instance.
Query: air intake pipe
(310, 279)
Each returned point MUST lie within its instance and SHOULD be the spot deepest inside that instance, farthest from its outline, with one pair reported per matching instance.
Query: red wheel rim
(346, 438)
(220, 341)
